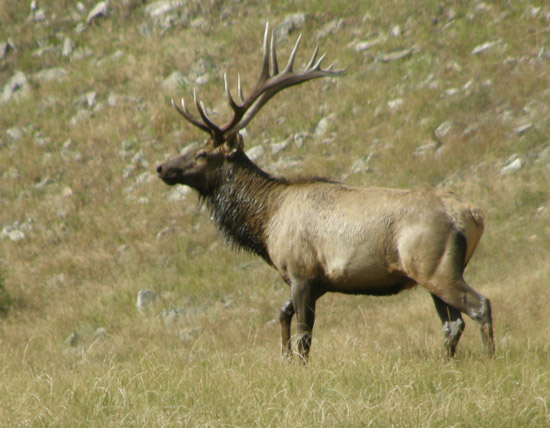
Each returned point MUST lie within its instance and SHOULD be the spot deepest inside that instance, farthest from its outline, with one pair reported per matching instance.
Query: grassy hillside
(454, 95)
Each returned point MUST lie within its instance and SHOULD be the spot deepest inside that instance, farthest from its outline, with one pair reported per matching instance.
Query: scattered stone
(368, 44)
(443, 129)
(89, 99)
(43, 183)
(277, 148)
(512, 165)
(291, 23)
(100, 333)
(50, 74)
(16, 231)
(17, 87)
(145, 299)
(81, 53)
(396, 31)
(393, 104)
(178, 193)
(100, 9)
(255, 153)
(114, 57)
(80, 116)
(163, 7)
(175, 81)
(329, 28)
(144, 178)
(5, 47)
(396, 55)
(523, 128)
(361, 165)
(322, 127)
(14, 134)
(429, 147)
(300, 138)
(162, 232)
(484, 47)
(68, 47)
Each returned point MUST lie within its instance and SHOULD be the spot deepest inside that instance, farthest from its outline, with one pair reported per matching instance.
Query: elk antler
(270, 82)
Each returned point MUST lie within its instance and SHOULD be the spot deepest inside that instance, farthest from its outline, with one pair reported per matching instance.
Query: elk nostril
(159, 169)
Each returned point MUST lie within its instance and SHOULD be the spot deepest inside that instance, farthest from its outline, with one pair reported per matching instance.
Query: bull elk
(324, 236)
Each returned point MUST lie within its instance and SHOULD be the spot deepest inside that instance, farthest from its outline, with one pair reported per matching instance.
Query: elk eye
(201, 155)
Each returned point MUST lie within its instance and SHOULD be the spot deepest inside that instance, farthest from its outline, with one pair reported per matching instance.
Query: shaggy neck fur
(242, 198)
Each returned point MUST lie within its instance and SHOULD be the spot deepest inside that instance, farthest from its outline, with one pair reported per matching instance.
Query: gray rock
(145, 299)
(484, 47)
(178, 193)
(100, 333)
(255, 153)
(291, 23)
(175, 81)
(329, 28)
(362, 165)
(5, 47)
(14, 134)
(50, 74)
(523, 128)
(163, 7)
(396, 55)
(81, 53)
(43, 183)
(443, 129)
(277, 148)
(322, 127)
(512, 165)
(100, 9)
(68, 47)
(368, 44)
(88, 100)
(17, 87)
(80, 116)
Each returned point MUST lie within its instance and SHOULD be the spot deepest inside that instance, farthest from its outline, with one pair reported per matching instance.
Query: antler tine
(212, 127)
(290, 64)
(274, 64)
(313, 57)
(230, 99)
(188, 116)
(240, 88)
(264, 74)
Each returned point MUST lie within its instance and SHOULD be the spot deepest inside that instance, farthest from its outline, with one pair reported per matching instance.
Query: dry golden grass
(94, 239)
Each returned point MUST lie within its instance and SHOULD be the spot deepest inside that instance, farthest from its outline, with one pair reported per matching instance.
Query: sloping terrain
(454, 95)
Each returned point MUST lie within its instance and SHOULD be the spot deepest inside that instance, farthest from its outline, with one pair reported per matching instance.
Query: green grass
(94, 242)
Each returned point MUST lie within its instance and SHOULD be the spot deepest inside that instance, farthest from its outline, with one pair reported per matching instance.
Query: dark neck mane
(242, 199)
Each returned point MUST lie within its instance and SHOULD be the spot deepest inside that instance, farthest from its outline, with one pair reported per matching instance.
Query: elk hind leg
(453, 324)
(464, 298)
(285, 318)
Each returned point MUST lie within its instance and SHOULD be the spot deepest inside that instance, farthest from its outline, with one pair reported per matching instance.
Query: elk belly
(364, 272)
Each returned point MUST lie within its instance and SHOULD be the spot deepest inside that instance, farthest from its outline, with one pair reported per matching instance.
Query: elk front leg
(285, 318)
(303, 301)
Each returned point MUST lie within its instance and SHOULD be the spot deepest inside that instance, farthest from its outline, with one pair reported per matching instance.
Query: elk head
(198, 167)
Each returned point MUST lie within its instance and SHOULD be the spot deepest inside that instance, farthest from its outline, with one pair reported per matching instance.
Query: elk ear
(233, 143)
